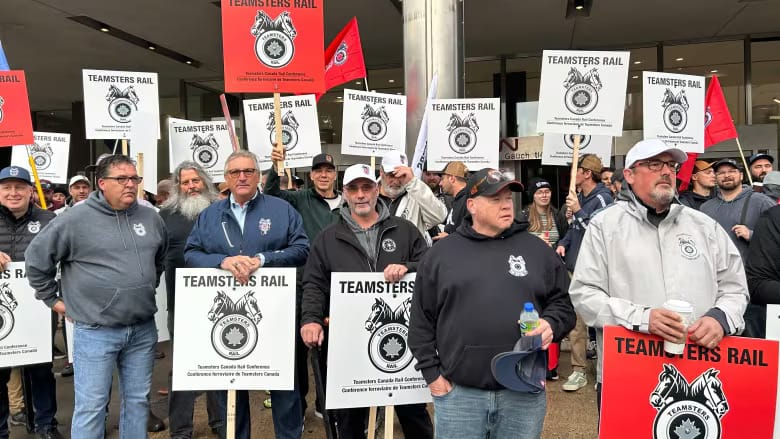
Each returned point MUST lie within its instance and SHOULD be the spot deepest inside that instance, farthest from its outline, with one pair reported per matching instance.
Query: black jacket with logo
(337, 249)
(468, 295)
(17, 233)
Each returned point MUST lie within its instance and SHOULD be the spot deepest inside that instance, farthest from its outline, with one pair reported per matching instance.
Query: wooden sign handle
(371, 422)
(575, 161)
(124, 147)
(140, 168)
(230, 432)
(278, 129)
(389, 419)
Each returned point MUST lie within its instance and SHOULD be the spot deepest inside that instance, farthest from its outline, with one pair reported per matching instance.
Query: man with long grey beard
(192, 192)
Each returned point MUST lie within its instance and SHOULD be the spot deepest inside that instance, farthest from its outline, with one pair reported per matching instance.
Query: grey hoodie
(111, 262)
(728, 213)
(366, 237)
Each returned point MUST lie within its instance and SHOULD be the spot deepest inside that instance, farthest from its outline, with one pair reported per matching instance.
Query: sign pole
(229, 121)
(389, 419)
(38, 188)
(230, 432)
(371, 422)
(278, 129)
(124, 146)
(575, 159)
(140, 168)
(744, 162)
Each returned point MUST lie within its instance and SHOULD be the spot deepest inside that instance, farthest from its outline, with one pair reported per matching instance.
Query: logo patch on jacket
(139, 229)
(388, 245)
(265, 226)
(687, 246)
(34, 226)
(517, 266)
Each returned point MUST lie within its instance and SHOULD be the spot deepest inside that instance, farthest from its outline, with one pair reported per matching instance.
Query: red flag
(718, 127)
(344, 57)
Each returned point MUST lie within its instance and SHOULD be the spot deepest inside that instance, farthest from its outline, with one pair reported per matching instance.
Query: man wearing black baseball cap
(489, 267)
(760, 164)
(319, 207)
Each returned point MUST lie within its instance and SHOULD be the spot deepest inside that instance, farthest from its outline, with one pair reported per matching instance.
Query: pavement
(569, 415)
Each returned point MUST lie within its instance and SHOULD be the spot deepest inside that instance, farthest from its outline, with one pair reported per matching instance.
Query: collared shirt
(240, 211)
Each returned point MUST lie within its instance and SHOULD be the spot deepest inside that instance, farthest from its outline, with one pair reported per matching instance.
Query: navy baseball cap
(760, 156)
(15, 173)
(524, 369)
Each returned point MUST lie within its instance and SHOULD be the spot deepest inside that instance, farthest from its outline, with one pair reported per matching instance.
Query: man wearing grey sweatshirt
(111, 252)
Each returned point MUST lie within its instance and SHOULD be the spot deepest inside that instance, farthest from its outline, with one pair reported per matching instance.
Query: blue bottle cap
(528, 306)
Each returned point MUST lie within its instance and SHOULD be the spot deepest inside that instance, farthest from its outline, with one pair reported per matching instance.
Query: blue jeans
(96, 351)
(285, 411)
(470, 413)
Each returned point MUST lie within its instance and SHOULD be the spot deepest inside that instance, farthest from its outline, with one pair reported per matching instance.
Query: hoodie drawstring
(119, 229)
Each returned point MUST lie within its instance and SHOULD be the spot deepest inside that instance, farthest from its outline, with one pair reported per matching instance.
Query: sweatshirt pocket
(126, 306)
(472, 367)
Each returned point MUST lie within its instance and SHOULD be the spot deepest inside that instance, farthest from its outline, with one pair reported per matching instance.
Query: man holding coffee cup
(647, 250)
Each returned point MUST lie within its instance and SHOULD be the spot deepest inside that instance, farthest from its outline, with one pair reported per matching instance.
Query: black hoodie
(468, 295)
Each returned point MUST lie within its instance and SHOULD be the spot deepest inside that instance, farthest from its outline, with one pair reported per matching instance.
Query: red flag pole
(744, 162)
(229, 121)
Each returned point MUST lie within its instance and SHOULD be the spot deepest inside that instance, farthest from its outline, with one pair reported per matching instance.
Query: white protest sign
(673, 109)
(773, 333)
(50, 153)
(557, 148)
(205, 143)
(112, 98)
(465, 130)
(369, 361)
(143, 141)
(582, 92)
(238, 337)
(300, 129)
(25, 322)
(160, 319)
(373, 123)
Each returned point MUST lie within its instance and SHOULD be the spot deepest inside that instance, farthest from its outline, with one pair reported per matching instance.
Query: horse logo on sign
(274, 39)
(205, 150)
(41, 155)
(387, 348)
(289, 129)
(582, 90)
(688, 411)
(374, 122)
(234, 335)
(568, 140)
(121, 103)
(8, 304)
(463, 133)
(675, 110)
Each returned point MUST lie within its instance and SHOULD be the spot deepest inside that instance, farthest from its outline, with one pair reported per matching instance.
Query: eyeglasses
(124, 179)
(234, 173)
(657, 165)
(729, 172)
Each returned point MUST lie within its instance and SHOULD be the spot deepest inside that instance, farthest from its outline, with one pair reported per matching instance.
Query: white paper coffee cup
(685, 310)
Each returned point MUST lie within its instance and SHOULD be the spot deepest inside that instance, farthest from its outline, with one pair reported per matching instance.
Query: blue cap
(17, 173)
(528, 306)
(524, 369)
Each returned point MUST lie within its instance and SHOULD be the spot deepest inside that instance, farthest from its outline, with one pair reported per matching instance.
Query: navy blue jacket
(272, 228)
(599, 198)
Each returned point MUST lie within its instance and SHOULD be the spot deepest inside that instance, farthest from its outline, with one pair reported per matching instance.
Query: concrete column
(433, 43)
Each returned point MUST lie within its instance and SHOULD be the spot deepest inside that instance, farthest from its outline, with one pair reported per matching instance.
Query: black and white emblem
(568, 140)
(139, 229)
(389, 328)
(205, 150)
(688, 411)
(675, 110)
(289, 129)
(2, 101)
(517, 266)
(8, 304)
(122, 103)
(34, 227)
(707, 117)
(374, 122)
(463, 133)
(388, 245)
(41, 155)
(234, 335)
(687, 246)
(274, 39)
(582, 90)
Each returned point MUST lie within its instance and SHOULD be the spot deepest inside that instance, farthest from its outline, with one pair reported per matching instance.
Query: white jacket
(627, 266)
(421, 207)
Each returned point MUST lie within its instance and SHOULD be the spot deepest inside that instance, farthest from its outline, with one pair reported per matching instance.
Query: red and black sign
(15, 122)
(726, 392)
(273, 46)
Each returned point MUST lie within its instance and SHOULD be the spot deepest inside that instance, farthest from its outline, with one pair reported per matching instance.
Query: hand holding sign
(706, 332)
(312, 334)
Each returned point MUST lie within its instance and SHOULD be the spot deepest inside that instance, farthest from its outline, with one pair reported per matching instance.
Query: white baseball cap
(651, 148)
(391, 159)
(77, 178)
(355, 172)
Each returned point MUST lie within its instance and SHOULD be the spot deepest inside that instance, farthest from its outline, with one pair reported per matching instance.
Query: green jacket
(309, 203)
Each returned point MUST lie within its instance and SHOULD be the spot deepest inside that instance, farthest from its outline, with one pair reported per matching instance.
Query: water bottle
(529, 318)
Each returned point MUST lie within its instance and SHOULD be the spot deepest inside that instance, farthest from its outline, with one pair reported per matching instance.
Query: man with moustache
(110, 251)
(702, 185)
(407, 196)
(241, 234)
(760, 164)
(646, 249)
(191, 192)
